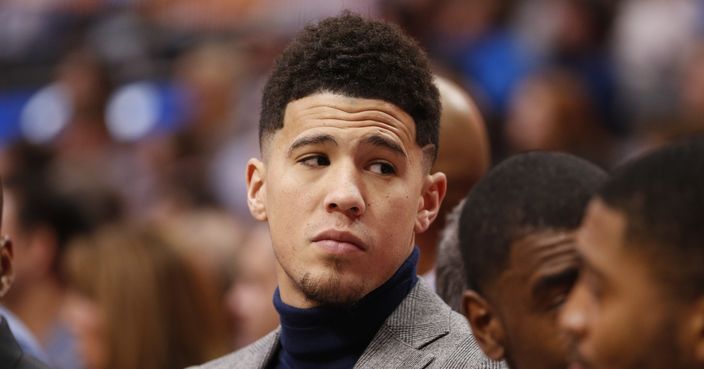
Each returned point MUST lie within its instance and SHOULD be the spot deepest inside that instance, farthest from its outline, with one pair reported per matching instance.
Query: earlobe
(256, 194)
(429, 205)
(486, 327)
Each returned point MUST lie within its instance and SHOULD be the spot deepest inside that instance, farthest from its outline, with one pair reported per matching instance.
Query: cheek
(534, 338)
(618, 330)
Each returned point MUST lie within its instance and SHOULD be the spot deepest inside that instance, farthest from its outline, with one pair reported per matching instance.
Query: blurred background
(141, 114)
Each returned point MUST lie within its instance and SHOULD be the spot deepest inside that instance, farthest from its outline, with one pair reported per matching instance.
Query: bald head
(464, 146)
(464, 157)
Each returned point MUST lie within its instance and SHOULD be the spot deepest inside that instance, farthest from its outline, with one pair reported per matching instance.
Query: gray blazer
(423, 332)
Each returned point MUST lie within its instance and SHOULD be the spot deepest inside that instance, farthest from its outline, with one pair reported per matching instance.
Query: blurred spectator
(46, 206)
(13, 353)
(137, 303)
(450, 274)
(250, 297)
(473, 37)
(553, 111)
(692, 89)
(85, 80)
(581, 47)
(463, 157)
(651, 37)
(211, 239)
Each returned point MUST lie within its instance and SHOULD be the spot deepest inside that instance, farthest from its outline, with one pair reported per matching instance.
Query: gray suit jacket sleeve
(423, 332)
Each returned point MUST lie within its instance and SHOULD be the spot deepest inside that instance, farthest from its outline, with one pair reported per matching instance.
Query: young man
(639, 301)
(516, 234)
(11, 355)
(348, 134)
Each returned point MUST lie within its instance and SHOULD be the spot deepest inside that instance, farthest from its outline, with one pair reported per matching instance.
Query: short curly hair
(355, 57)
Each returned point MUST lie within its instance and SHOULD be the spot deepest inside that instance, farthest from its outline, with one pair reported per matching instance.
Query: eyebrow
(383, 142)
(563, 278)
(311, 140)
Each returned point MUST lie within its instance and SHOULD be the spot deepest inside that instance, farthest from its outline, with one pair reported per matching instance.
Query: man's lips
(339, 241)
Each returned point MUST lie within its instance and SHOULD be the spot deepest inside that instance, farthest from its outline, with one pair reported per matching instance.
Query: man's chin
(578, 362)
(331, 290)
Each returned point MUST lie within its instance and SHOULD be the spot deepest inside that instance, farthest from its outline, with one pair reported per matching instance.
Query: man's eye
(557, 300)
(315, 161)
(382, 168)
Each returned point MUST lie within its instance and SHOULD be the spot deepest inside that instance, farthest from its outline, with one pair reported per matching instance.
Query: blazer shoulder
(468, 355)
(423, 332)
(255, 355)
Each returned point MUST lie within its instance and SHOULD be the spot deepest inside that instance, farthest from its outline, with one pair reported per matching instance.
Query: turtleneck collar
(335, 337)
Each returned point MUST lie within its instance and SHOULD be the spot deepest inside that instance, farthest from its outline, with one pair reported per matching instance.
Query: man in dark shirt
(11, 356)
(348, 136)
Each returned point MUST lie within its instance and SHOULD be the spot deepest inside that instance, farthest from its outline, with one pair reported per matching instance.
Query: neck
(332, 337)
(428, 244)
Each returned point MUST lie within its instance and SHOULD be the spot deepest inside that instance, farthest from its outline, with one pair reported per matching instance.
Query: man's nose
(345, 193)
(573, 317)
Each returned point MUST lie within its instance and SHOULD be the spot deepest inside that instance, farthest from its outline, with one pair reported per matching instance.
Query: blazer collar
(10, 351)
(418, 321)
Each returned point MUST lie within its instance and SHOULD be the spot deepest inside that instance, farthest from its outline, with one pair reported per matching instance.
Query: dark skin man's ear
(697, 325)
(486, 326)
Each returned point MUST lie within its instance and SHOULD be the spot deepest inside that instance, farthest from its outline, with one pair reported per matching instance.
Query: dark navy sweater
(335, 337)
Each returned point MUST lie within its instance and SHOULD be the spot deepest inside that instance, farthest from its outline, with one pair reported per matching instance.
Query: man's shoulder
(429, 332)
(28, 362)
(252, 356)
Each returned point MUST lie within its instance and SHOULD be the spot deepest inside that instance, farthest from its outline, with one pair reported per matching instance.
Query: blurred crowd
(125, 127)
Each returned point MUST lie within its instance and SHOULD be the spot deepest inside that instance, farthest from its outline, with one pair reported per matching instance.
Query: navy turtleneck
(335, 337)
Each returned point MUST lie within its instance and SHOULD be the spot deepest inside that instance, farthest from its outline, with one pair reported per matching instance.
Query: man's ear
(434, 190)
(486, 326)
(696, 323)
(7, 273)
(256, 188)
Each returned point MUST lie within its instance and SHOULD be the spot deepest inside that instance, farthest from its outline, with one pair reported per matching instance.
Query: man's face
(343, 186)
(619, 315)
(24, 269)
(528, 295)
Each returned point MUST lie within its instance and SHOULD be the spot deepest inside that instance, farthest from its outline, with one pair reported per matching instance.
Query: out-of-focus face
(618, 315)
(529, 294)
(343, 186)
(6, 271)
(24, 255)
(249, 298)
(533, 123)
(87, 323)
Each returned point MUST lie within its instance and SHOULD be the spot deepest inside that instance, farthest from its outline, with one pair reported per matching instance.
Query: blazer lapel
(266, 349)
(420, 319)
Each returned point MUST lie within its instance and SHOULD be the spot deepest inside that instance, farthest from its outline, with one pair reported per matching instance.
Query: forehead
(601, 235)
(606, 253)
(329, 111)
(541, 253)
(543, 247)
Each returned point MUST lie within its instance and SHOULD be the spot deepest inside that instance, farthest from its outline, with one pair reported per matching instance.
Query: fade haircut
(661, 196)
(355, 57)
(526, 194)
